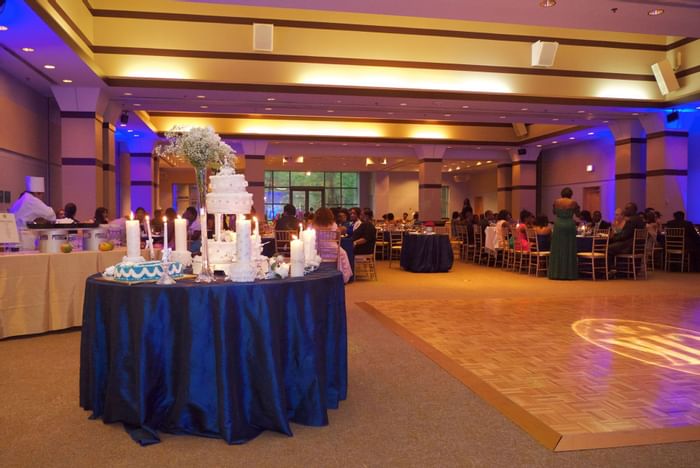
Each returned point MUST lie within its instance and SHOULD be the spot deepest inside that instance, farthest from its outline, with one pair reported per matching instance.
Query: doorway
(591, 199)
(307, 199)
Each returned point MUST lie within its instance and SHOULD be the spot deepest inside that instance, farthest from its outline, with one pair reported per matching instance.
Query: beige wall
(566, 167)
(482, 184)
(28, 134)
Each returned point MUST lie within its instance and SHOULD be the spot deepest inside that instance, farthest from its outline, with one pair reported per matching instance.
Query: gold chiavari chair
(597, 258)
(366, 266)
(674, 249)
(539, 259)
(395, 246)
(382, 243)
(461, 237)
(637, 260)
(478, 253)
(328, 244)
(283, 240)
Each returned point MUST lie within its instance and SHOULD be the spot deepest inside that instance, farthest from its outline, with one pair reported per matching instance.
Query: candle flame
(294, 237)
(131, 216)
(165, 219)
(179, 217)
(147, 218)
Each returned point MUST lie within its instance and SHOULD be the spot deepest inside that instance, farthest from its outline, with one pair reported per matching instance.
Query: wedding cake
(228, 193)
(144, 271)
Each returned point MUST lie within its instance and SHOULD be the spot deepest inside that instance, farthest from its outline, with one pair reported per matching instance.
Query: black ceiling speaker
(672, 117)
(2, 6)
(522, 151)
(124, 118)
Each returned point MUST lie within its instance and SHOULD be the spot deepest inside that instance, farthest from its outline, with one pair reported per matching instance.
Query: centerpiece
(202, 148)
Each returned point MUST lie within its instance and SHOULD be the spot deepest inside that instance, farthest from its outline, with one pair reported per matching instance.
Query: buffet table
(41, 292)
(426, 253)
(226, 360)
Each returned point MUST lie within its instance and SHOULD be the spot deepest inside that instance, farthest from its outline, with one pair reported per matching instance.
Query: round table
(224, 360)
(426, 253)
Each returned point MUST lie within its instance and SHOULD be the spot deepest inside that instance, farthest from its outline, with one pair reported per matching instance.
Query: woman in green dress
(562, 257)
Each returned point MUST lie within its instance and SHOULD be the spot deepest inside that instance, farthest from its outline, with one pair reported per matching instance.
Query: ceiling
(365, 75)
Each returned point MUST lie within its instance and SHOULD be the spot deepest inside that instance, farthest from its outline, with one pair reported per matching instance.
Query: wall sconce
(369, 162)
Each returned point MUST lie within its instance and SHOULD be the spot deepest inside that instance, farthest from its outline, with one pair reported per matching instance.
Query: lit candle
(257, 225)
(297, 257)
(243, 244)
(301, 229)
(180, 234)
(165, 232)
(150, 238)
(133, 237)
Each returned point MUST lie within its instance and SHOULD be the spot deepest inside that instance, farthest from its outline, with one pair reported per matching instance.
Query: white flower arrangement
(202, 147)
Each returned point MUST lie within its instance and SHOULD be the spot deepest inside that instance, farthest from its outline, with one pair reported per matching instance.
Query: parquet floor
(574, 373)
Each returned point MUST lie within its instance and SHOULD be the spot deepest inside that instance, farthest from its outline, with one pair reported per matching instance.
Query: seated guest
(621, 242)
(288, 221)
(619, 220)
(542, 227)
(599, 222)
(364, 236)
(355, 221)
(416, 219)
(502, 219)
(585, 217)
(324, 219)
(341, 220)
(692, 238)
(101, 215)
(653, 225)
(194, 228)
(404, 218)
(70, 211)
(526, 222)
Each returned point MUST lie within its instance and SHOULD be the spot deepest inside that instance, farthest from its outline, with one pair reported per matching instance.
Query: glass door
(307, 199)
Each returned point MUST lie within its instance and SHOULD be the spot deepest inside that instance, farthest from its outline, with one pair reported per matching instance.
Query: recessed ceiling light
(524, 109)
(271, 99)
(656, 12)
(127, 94)
(458, 168)
(539, 146)
(136, 135)
(3, 27)
(137, 105)
(308, 173)
(403, 104)
(478, 163)
(572, 138)
(635, 113)
(204, 107)
(555, 119)
(268, 108)
(605, 121)
(555, 142)
(548, 3)
(591, 133)
(447, 115)
(581, 112)
(489, 162)
(697, 108)
(130, 130)
(390, 113)
(465, 107)
(67, 81)
(201, 96)
(449, 170)
(501, 116)
(330, 111)
(27, 49)
(122, 125)
(49, 67)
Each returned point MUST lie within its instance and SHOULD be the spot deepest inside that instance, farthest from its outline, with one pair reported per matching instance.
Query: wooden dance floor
(574, 373)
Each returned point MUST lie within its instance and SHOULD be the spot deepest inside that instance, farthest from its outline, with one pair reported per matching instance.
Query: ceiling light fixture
(27, 49)
(369, 161)
(591, 133)
(285, 160)
(656, 12)
(459, 167)
(50, 67)
(127, 94)
(548, 3)
(3, 27)
(137, 105)
(330, 111)
(501, 116)
(268, 108)
(447, 115)
(204, 107)
(67, 81)
(489, 162)
(299, 160)
(271, 99)
(201, 96)
(403, 104)
(449, 170)
(539, 146)
(384, 162)
(572, 138)
(555, 119)
(465, 107)
(581, 112)
(555, 142)
(524, 109)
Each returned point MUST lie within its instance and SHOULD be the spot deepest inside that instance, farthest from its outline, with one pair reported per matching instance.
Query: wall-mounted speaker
(543, 53)
(522, 151)
(519, 129)
(665, 78)
(262, 36)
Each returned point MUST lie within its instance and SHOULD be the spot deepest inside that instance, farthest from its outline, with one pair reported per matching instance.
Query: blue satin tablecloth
(226, 360)
(426, 253)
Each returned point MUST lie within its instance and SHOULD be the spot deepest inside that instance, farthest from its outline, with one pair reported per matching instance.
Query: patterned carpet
(574, 373)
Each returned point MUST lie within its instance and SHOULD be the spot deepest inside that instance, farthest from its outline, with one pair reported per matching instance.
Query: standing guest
(563, 264)
(364, 235)
(101, 215)
(466, 208)
(619, 221)
(288, 221)
(324, 219)
(599, 222)
(621, 242)
(29, 206)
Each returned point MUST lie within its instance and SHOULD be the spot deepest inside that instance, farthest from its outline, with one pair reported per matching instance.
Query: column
(109, 173)
(430, 181)
(381, 193)
(667, 171)
(123, 182)
(524, 180)
(81, 160)
(142, 185)
(254, 154)
(630, 163)
(504, 173)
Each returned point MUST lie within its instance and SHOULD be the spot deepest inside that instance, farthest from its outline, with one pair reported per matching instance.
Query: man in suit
(364, 236)
(692, 238)
(621, 243)
(599, 222)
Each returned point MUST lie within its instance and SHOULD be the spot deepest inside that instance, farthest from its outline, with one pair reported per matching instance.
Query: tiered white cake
(228, 193)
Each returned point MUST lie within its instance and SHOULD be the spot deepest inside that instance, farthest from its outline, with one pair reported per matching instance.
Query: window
(304, 190)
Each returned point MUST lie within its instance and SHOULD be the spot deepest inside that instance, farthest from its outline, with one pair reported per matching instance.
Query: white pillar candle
(165, 233)
(301, 229)
(297, 257)
(217, 227)
(180, 234)
(309, 238)
(150, 238)
(133, 237)
(257, 225)
(242, 240)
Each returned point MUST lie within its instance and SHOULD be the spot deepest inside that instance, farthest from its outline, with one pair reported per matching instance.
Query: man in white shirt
(29, 206)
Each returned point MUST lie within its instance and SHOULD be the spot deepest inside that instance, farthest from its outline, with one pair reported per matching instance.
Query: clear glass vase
(206, 275)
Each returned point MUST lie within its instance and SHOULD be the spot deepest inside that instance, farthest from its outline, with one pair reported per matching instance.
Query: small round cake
(146, 271)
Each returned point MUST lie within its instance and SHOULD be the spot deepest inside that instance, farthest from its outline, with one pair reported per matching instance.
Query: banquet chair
(444, 230)
(478, 250)
(461, 236)
(537, 257)
(283, 240)
(366, 266)
(638, 258)
(382, 243)
(597, 258)
(675, 251)
(508, 259)
(395, 246)
(328, 244)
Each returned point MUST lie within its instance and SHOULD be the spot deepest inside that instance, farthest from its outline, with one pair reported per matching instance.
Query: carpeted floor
(402, 409)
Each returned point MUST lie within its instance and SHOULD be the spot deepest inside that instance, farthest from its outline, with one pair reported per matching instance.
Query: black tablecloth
(426, 253)
(222, 360)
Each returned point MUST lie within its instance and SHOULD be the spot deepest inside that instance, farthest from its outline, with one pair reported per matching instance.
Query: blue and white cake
(145, 271)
